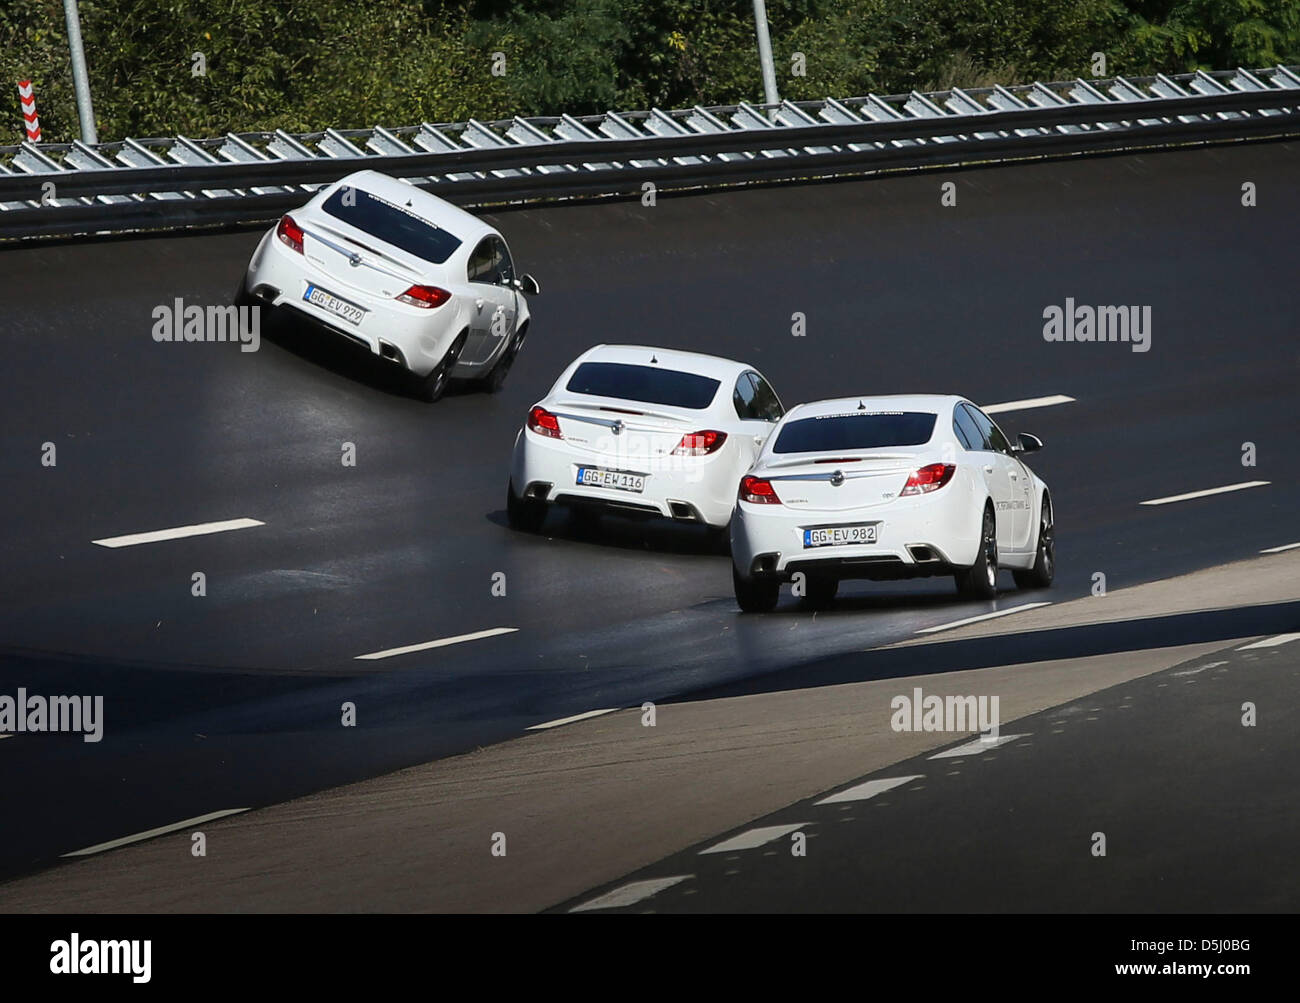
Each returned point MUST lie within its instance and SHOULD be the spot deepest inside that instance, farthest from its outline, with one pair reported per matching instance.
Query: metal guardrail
(180, 182)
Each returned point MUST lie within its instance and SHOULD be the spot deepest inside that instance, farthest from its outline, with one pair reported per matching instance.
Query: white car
(642, 431)
(414, 279)
(885, 488)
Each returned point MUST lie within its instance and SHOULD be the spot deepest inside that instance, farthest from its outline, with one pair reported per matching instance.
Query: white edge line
(1027, 404)
(1271, 642)
(440, 643)
(113, 844)
(983, 616)
(1206, 493)
(1278, 550)
(881, 786)
(630, 894)
(177, 533)
(570, 720)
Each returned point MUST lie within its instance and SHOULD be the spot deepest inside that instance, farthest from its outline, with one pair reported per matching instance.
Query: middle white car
(642, 431)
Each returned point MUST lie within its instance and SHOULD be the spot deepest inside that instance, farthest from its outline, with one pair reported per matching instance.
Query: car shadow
(661, 536)
(318, 345)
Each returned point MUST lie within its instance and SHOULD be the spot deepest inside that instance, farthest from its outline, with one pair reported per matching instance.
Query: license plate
(618, 479)
(342, 308)
(839, 536)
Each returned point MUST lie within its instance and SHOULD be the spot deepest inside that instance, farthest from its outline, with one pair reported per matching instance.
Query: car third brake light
(290, 233)
(426, 297)
(758, 490)
(700, 443)
(544, 423)
(929, 478)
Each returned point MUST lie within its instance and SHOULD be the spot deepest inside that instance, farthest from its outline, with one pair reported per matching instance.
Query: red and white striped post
(27, 97)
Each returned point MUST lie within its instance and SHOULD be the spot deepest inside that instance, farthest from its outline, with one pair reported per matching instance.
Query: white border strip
(1025, 405)
(1271, 642)
(983, 616)
(113, 844)
(1207, 492)
(440, 643)
(570, 720)
(1278, 550)
(177, 533)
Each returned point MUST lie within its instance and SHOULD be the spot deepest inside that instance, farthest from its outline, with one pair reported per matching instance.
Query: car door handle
(759, 440)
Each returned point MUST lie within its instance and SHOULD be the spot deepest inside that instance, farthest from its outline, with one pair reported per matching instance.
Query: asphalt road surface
(899, 293)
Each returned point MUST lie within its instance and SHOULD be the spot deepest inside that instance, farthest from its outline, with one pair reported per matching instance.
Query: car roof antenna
(861, 406)
(654, 361)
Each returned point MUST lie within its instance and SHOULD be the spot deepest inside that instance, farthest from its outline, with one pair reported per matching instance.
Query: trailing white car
(885, 488)
(642, 431)
(414, 279)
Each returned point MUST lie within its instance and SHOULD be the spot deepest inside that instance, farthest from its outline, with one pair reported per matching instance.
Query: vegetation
(206, 67)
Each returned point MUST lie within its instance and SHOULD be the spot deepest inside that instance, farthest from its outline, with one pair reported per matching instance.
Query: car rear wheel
(432, 387)
(1044, 570)
(755, 595)
(980, 581)
(496, 379)
(819, 593)
(525, 514)
(242, 296)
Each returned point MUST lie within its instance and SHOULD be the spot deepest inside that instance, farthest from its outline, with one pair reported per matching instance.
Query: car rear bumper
(918, 537)
(413, 338)
(688, 489)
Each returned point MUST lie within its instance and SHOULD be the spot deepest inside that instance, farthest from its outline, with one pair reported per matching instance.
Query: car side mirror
(1028, 443)
(528, 285)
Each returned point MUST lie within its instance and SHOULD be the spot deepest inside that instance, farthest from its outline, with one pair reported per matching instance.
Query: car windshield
(855, 430)
(392, 224)
(647, 384)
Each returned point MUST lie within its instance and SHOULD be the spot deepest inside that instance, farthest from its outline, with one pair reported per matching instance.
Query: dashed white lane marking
(1207, 492)
(869, 790)
(440, 643)
(1025, 405)
(177, 532)
(6, 735)
(113, 844)
(631, 894)
(753, 838)
(570, 720)
(1278, 550)
(976, 747)
(1200, 668)
(983, 616)
(1271, 642)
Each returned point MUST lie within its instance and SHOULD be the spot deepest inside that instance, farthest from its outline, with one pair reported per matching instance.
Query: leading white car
(414, 279)
(889, 487)
(642, 431)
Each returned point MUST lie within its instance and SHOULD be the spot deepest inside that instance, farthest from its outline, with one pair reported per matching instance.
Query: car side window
(967, 431)
(505, 268)
(481, 262)
(766, 403)
(744, 398)
(992, 434)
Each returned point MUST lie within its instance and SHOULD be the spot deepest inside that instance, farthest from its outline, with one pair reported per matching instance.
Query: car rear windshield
(392, 224)
(647, 384)
(855, 430)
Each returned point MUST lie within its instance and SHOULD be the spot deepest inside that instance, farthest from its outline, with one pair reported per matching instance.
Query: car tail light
(544, 423)
(929, 478)
(290, 233)
(426, 297)
(758, 490)
(700, 443)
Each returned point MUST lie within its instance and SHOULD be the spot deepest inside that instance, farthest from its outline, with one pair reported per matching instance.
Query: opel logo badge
(617, 427)
(354, 259)
(837, 478)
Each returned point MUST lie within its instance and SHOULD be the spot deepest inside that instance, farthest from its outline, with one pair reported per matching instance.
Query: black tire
(496, 379)
(524, 514)
(819, 593)
(755, 595)
(719, 539)
(980, 581)
(1044, 570)
(431, 388)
